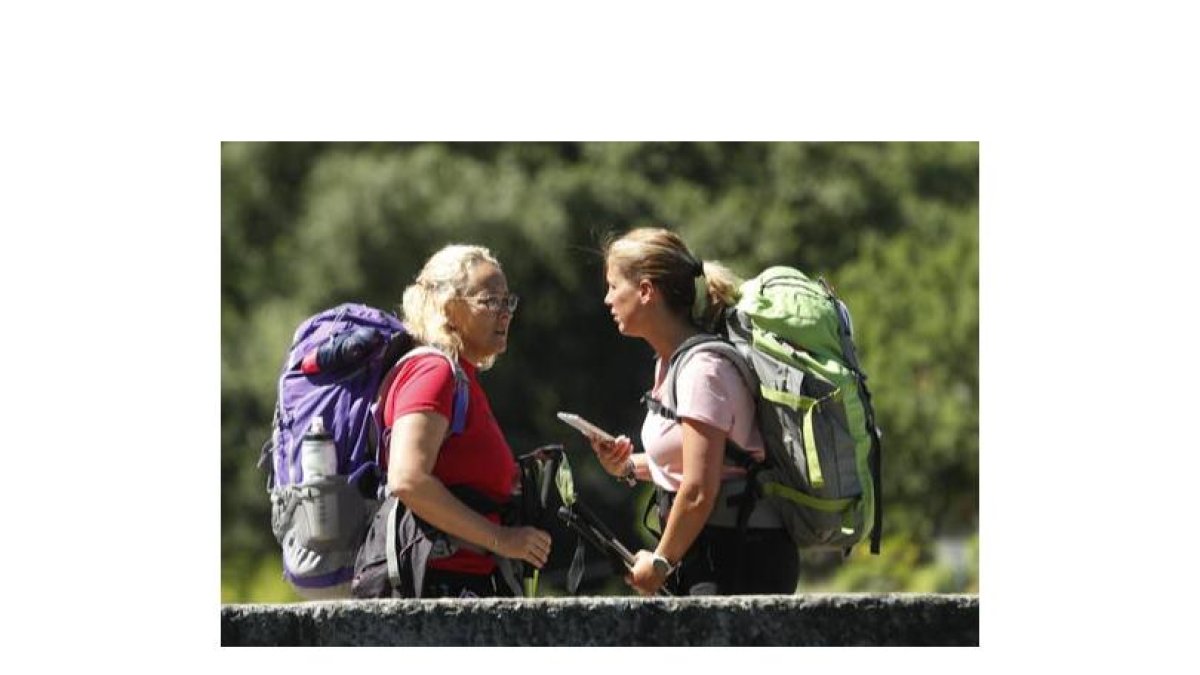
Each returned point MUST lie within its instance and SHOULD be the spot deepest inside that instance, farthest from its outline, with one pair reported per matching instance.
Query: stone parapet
(793, 620)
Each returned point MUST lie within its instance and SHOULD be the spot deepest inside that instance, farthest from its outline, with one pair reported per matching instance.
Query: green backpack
(792, 339)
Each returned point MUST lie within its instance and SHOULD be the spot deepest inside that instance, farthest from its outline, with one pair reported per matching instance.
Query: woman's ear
(646, 291)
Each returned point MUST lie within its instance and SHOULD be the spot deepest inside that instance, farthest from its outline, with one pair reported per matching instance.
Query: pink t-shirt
(710, 390)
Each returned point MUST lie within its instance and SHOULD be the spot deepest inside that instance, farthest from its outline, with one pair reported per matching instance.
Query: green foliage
(906, 566)
(255, 579)
(893, 226)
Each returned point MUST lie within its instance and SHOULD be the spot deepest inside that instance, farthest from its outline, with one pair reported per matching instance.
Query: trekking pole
(626, 555)
(580, 519)
(538, 468)
(552, 456)
(594, 532)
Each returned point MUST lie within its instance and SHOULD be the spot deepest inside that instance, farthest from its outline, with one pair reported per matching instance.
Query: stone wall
(800, 620)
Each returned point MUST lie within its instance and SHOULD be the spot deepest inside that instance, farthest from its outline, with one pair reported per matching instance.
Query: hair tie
(700, 298)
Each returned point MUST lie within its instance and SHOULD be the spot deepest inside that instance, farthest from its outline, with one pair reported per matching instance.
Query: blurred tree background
(893, 226)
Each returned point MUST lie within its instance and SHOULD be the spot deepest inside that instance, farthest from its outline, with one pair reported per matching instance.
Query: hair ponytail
(717, 289)
(697, 290)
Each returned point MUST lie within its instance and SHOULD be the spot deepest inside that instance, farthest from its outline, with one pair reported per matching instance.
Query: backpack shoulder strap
(704, 342)
(458, 415)
(696, 345)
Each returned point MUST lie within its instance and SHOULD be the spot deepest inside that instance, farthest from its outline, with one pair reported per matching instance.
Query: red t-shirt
(479, 457)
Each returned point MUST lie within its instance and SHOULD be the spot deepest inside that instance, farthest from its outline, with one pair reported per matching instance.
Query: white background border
(113, 118)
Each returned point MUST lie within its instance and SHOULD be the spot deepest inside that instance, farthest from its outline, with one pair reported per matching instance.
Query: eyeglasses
(497, 304)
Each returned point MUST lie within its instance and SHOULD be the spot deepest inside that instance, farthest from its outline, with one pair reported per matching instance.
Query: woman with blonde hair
(460, 305)
(657, 290)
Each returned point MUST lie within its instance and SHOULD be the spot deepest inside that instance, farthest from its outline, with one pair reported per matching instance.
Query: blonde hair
(697, 290)
(443, 279)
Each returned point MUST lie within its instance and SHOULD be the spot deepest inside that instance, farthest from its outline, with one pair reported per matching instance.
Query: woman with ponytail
(657, 290)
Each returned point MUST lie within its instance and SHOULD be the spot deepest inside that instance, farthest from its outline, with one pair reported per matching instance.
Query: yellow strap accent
(810, 451)
(793, 401)
(848, 522)
(809, 406)
(828, 505)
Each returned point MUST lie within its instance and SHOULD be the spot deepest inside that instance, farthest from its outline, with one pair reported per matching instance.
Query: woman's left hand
(643, 578)
(614, 454)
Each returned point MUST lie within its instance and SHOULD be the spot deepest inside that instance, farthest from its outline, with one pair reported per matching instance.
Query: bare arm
(416, 440)
(703, 452)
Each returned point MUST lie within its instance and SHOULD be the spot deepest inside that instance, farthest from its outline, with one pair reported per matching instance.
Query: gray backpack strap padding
(689, 349)
(393, 558)
(696, 345)
(459, 375)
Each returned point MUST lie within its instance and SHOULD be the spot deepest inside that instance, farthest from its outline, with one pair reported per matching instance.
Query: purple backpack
(334, 368)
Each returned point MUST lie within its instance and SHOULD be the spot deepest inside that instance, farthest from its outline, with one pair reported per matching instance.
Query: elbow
(696, 497)
(403, 486)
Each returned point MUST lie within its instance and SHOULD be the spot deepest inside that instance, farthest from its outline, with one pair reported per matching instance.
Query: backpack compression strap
(846, 338)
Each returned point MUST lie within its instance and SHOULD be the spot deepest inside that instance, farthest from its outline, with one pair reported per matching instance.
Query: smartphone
(585, 427)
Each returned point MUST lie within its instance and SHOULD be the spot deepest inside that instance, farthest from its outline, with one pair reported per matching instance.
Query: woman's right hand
(613, 454)
(523, 543)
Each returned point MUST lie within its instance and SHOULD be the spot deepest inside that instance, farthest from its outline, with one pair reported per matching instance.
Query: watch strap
(661, 563)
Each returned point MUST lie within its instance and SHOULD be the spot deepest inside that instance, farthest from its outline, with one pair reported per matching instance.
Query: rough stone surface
(800, 620)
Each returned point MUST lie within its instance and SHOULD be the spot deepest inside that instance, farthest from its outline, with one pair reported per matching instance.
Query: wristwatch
(630, 474)
(662, 565)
